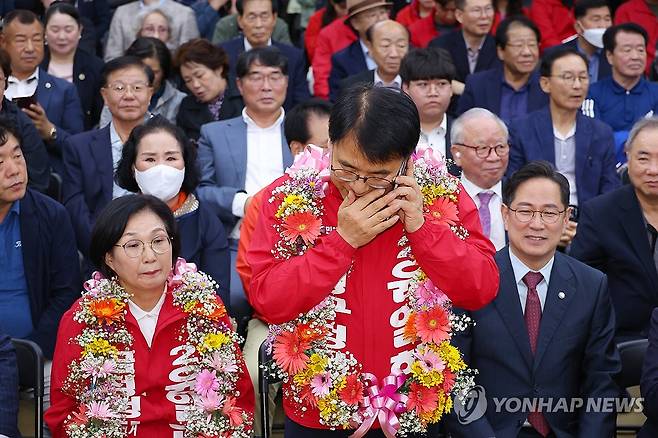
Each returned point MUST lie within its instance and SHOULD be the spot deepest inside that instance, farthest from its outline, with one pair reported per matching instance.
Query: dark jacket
(87, 79)
(34, 151)
(531, 138)
(52, 267)
(193, 114)
(297, 85)
(345, 63)
(612, 237)
(455, 44)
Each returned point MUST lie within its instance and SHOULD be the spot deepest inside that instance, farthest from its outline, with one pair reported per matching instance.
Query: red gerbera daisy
(422, 399)
(289, 352)
(352, 393)
(433, 325)
(443, 211)
(303, 225)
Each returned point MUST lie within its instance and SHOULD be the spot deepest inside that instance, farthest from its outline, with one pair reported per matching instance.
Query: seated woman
(204, 69)
(166, 97)
(65, 59)
(159, 160)
(148, 341)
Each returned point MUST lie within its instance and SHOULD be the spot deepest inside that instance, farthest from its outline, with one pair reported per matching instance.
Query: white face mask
(161, 181)
(594, 36)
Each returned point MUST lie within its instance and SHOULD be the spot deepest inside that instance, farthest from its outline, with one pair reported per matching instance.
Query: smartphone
(402, 171)
(25, 102)
(574, 213)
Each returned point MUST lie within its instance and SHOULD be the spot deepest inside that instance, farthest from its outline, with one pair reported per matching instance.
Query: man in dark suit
(553, 324)
(426, 76)
(53, 104)
(592, 19)
(617, 234)
(581, 148)
(8, 389)
(510, 90)
(91, 157)
(356, 57)
(238, 157)
(40, 277)
(387, 42)
(257, 19)
(472, 48)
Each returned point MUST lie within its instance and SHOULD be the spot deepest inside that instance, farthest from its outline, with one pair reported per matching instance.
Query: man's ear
(545, 84)
(456, 155)
(505, 212)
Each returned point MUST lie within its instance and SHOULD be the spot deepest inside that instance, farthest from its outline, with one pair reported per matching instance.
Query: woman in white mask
(159, 160)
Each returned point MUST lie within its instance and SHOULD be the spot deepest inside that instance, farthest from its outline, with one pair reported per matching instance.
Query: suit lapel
(487, 54)
(285, 151)
(544, 130)
(461, 60)
(101, 149)
(44, 89)
(509, 306)
(236, 136)
(631, 220)
(583, 137)
(561, 284)
(495, 91)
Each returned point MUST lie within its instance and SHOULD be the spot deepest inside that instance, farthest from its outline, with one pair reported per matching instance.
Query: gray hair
(145, 12)
(457, 129)
(640, 125)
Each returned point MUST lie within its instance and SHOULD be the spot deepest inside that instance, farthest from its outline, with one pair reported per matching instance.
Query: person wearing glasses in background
(553, 323)
(581, 148)
(90, 158)
(479, 146)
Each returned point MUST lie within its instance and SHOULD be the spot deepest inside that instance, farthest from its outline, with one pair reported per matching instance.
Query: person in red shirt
(642, 12)
(555, 21)
(441, 21)
(414, 11)
(506, 9)
(359, 257)
(319, 20)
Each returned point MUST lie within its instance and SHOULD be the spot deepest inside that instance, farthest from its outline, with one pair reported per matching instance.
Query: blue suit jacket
(649, 382)
(345, 63)
(455, 44)
(52, 266)
(484, 90)
(531, 138)
(8, 388)
(60, 100)
(88, 176)
(575, 357)
(612, 237)
(223, 162)
(297, 85)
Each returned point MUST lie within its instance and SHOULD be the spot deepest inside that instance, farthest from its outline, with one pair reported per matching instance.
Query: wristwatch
(52, 135)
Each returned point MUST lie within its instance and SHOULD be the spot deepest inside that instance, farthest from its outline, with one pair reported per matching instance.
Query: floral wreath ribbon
(383, 403)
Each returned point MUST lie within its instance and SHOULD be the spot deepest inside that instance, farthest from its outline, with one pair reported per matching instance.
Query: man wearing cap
(356, 57)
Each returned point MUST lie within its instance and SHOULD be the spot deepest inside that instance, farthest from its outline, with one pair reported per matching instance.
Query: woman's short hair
(112, 221)
(383, 122)
(202, 51)
(125, 175)
(149, 47)
(62, 8)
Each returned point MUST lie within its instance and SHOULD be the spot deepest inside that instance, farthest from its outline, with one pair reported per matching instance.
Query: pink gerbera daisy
(206, 382)
(430, 361)
(289, 352)
(443, 211)
(303, 225)
(233, 412)
(321, 384)
(433, 325)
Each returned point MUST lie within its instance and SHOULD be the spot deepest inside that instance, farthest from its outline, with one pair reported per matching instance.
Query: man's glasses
(135, 248)
(374, 182)
(526, 215)
(484, 151)
(120, 88)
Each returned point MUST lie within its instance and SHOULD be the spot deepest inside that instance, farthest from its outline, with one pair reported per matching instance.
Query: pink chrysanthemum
(206, 382)
(321, 384)
(222, 364)
(100, 410)
(429, 295)
(211, 401)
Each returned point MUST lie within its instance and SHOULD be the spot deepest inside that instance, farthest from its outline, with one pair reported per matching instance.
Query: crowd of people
(389, 194)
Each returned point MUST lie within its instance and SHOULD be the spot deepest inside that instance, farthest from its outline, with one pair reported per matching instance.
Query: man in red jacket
(371, 206)
(642, 12)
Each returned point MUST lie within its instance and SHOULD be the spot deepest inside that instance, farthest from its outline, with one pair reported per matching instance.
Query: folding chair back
(30, 376)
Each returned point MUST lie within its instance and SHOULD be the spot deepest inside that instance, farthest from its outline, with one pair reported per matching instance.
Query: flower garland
(333, 381)
(97, 379)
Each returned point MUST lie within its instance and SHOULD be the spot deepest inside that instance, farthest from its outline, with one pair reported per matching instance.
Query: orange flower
(306, 394)
(443, 211)
(220, 310)
(433, 325)
(410, 328)
(308, 334)
(107, 311)
(289, 352)
(421, 399)
(303, 225)
(352, 393)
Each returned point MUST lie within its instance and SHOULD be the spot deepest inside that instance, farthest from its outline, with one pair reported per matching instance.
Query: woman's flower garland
(332, 381)
(97, 379)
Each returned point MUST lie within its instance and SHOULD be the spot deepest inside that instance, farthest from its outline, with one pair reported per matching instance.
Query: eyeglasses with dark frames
(374, 182)
(485, 151)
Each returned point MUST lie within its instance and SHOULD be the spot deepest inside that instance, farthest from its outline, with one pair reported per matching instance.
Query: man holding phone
(370, 204)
